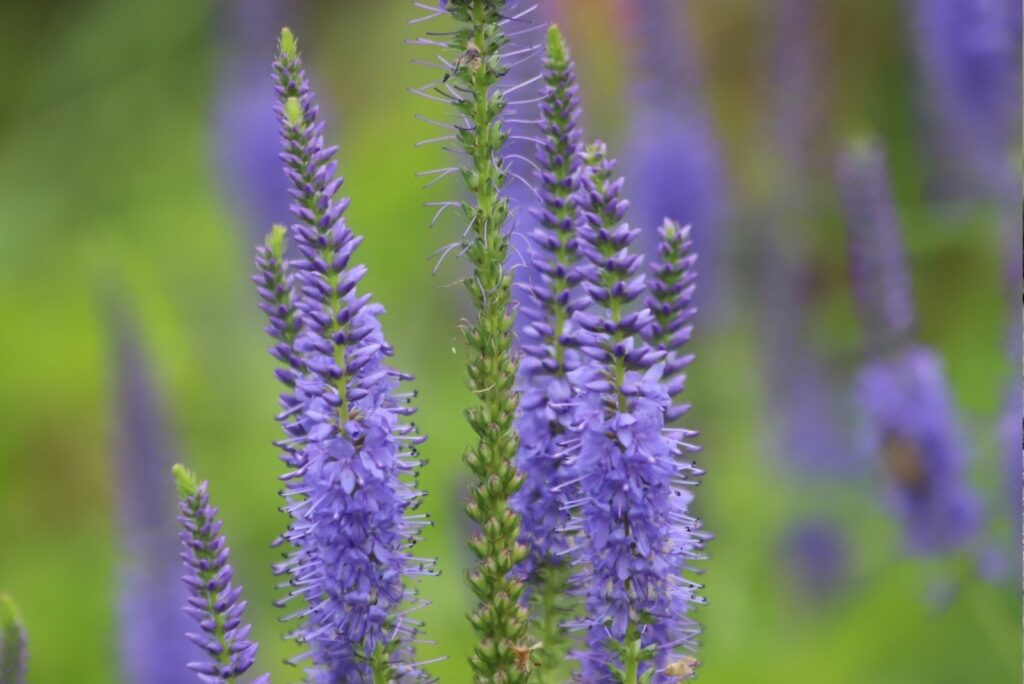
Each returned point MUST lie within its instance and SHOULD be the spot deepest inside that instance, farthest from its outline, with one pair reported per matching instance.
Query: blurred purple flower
(810, 406)
(213, 602)
(523, 121)
(812, 421)
(674, 161)
(970, 57)
(245, 138)
(877, 256)
(799, 91)
(150, 621)
(910, 422)
(817, 557)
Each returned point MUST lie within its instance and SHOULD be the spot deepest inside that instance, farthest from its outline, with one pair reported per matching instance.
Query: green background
(107, 177)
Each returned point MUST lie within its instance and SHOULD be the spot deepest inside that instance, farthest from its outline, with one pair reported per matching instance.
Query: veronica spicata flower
(550, 299)
(213, 602)
(352, 458)
(13, 643)
(910, 419)
(635, 534)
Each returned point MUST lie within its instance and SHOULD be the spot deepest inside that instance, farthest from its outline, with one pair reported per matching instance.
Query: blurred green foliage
(107, 181)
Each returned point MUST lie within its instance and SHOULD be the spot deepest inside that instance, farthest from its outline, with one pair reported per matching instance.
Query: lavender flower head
(13, 643)
(970, 55)
(911, 424)
(909, 418)
(878, 260)
(352, 457)
(635, 536)
(213, 602)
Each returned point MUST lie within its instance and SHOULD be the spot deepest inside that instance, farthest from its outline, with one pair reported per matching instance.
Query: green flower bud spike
(473, 85)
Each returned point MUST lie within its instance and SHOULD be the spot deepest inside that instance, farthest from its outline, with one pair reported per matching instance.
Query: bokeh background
(137, 171)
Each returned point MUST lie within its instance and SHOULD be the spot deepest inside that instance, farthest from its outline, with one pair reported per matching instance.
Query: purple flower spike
(970, 58)
(213, 602)
(352, 458)
(911, 423)
(878, 262)
(549, 303)
(671, 302)
(150, 597)
(632, 532)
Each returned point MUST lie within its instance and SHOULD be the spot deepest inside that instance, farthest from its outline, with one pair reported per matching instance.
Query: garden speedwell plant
(585, 539)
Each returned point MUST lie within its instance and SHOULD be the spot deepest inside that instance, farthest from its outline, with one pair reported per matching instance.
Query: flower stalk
(473, 87)
(213, 602)
(633, 534)
(350, 490)
(548, 355)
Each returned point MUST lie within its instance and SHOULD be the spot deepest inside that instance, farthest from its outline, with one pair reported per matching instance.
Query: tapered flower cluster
(352, 462)
(636, 536)
(910, 421)
(213, 602)
(13, 644)
(670, 300)
(549, 301)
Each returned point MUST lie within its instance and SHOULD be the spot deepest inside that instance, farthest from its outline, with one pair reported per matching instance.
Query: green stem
(631, 658)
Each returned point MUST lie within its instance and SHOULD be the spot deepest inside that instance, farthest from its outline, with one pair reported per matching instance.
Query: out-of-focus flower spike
(150, 621)
(245, 144)
(476, 58)
(352, 457)
(214, 602)
(910, 421)
(674, 160)
(13, 643)
(877, 256)
(970, 58)
(548, 303)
